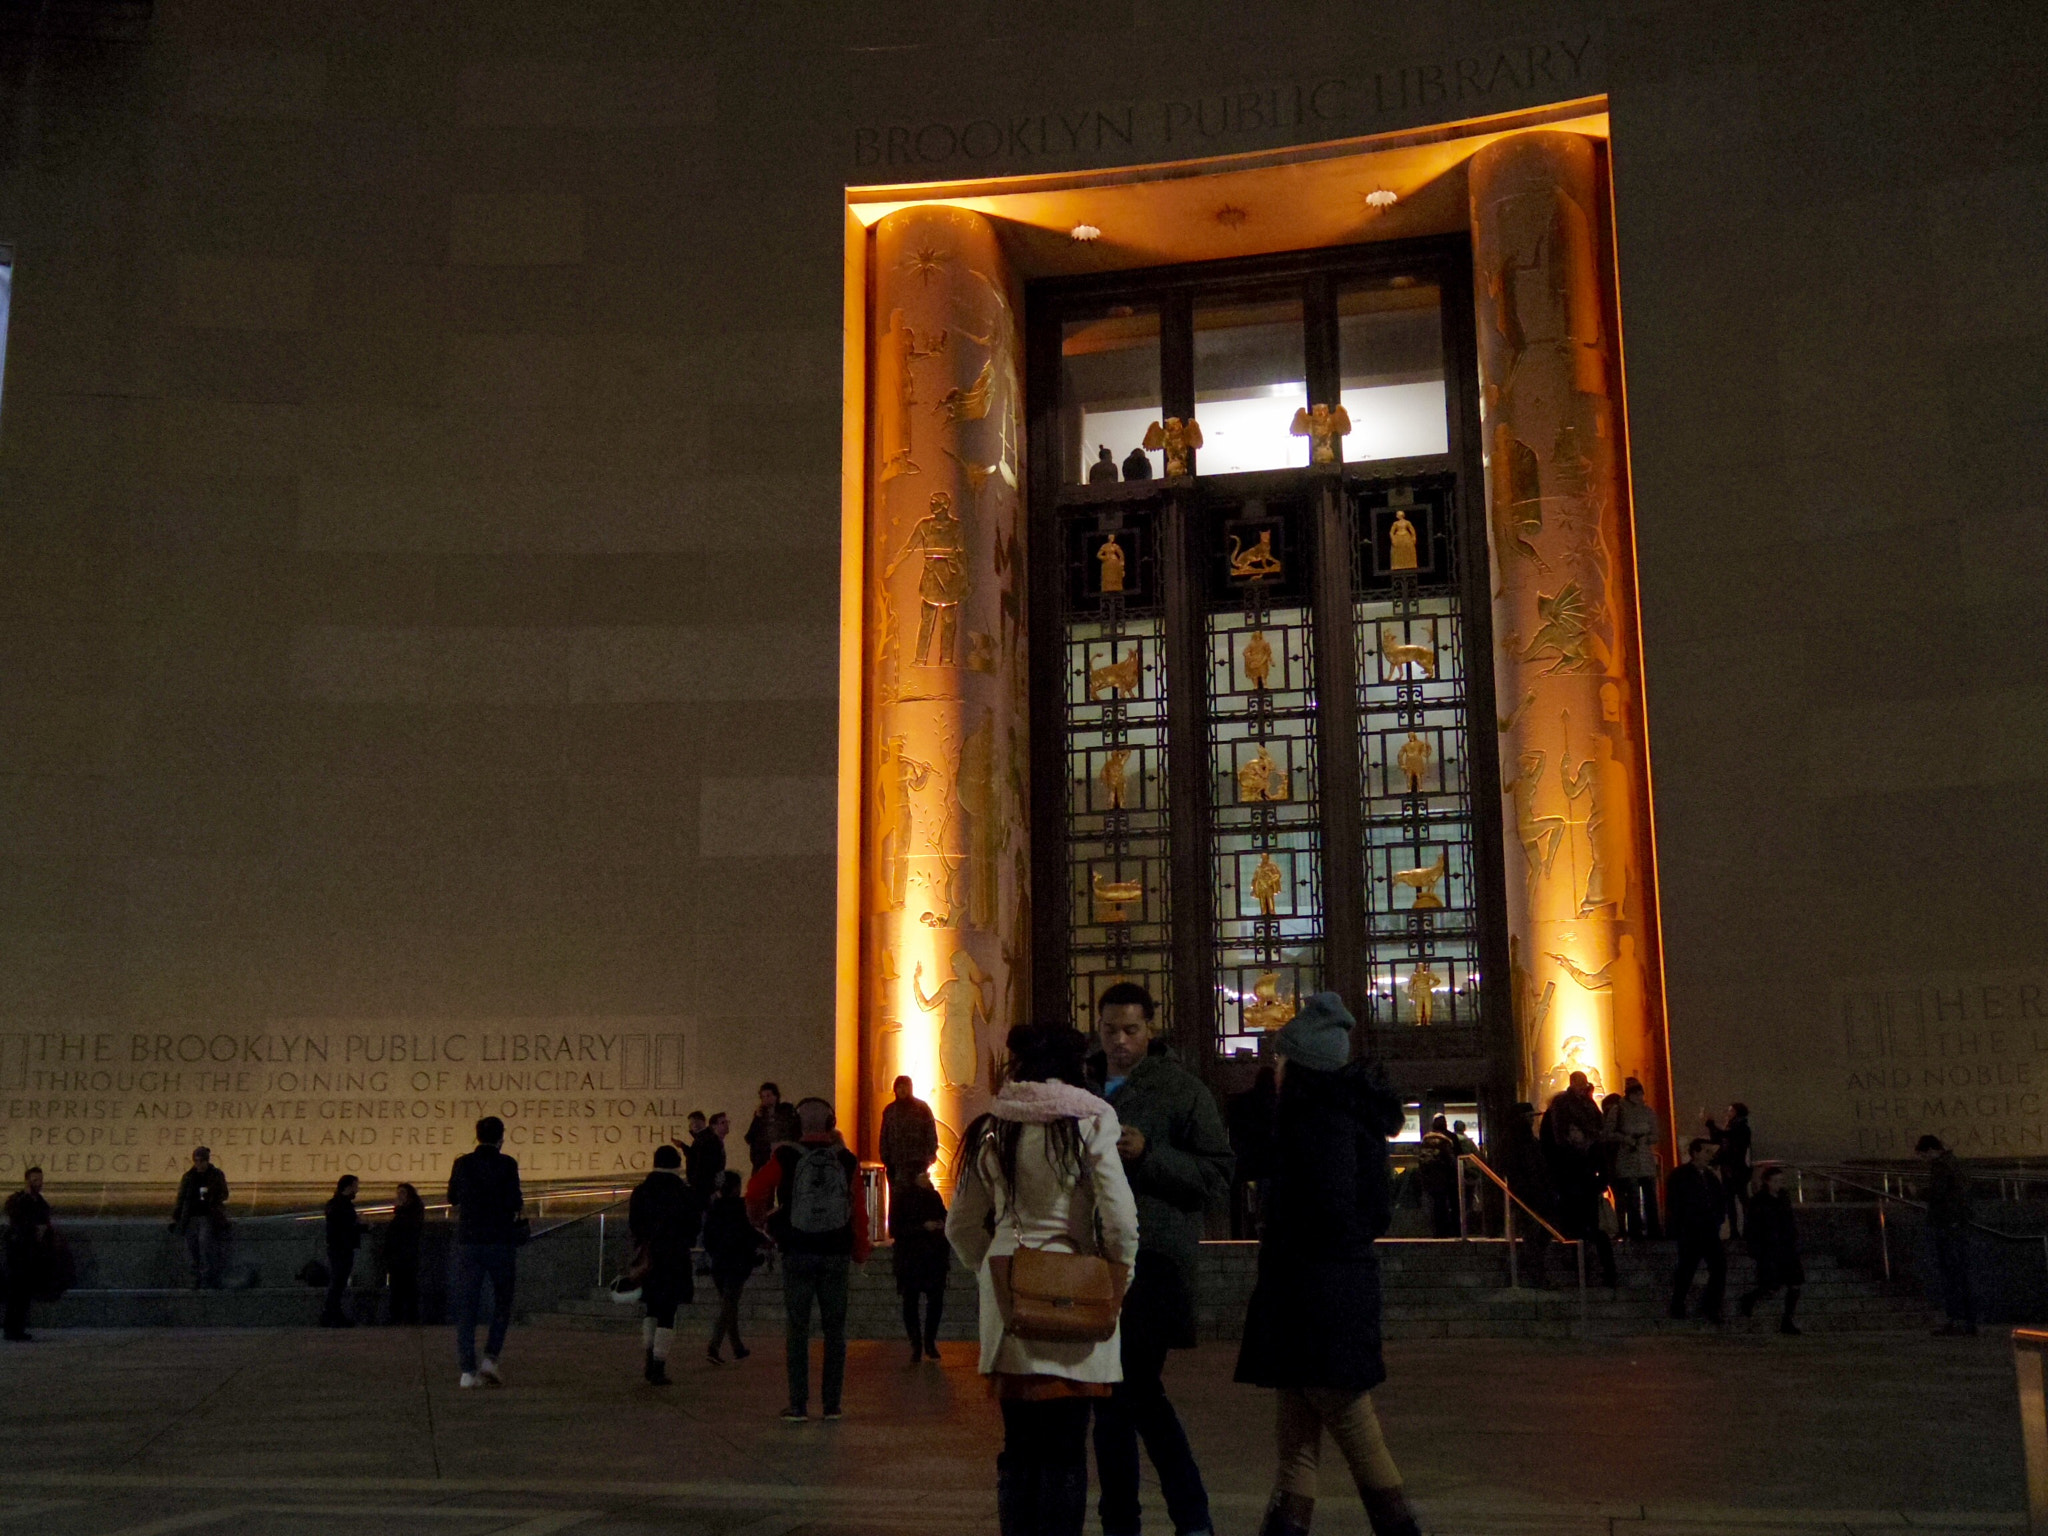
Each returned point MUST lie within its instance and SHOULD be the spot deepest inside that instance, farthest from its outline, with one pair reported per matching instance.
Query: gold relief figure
(1269, 1010)
(1112, 896)
(1506, 723)
(1421, 989)
(977, 789)
(1592, 981)
(1569, 460)
(971, 403)
(1572, 1059)
(896, 392)
(1266, 883)
(1424, 882)
(1322, 427)
(1566, 633)
(1256, 562)
(1401, 543)
(1111, 554)
(1413, 761)
(1119, 676)
(1609, 824)
(1517, 501)
(1610, 703)
(943, 584)
(1258, 659)
(962, 1004)
(1396, 653)
(1175, 437)
(981, 651)
(1113, 776)
(901, 776)
(976, 474)
(1260, 778)
(1538, 835)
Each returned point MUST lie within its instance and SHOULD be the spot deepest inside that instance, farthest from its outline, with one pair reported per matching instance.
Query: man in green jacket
(1176, 1154)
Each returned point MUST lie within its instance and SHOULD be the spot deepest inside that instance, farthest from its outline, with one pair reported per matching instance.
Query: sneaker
(831, 1415)
(795, 1416)
(740, 1351)
(470, 1379)
(488, 1369)
(714, 1357)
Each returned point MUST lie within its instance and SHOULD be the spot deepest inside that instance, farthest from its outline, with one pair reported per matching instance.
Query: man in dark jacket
(344, 1237)
(1572, 1131)
(1695, 1206)
(809, 1195)
(1176, 1155)
(704, 1157)
(201, 1214)
(1521, 1161)
(483, 1186)
(1948, 1224)
(663, 1217)
(909, 1142)
(1773, 1239)
(774, 1124)
(28, 1250)
(1312, 1331)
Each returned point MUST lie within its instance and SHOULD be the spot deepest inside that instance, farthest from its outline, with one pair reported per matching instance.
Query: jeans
(1137, 1407)
(728, 1324)
(926, 1336)
(341, 1264)
(474, 1264)
(1042, 1473)
(1635, 1200)
(1952, 1257)
(1303, 1416)
(1692, 1251)
(206, 1245)
(820, 1278)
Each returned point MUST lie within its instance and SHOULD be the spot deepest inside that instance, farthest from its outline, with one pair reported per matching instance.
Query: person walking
(774, 1124)
(1633, 1130)
(1312, 1330)
(1572, 1128)
(920, 1254)
(909, 1142)
(201, 1214)
(30, 1240)
(483, 1186)
(808, 1194)
(733, 1244)
(1773, 1239)
(1733, 1144)
(403, 1235)
(704, 1157)
(1176, 1156)
(663, 1218)
(1042, 1170)
(1696, 1205)
(1948, 1225)
(1249, 1119)
(344, 1237)
(1439, 1170)
(1526, 1168)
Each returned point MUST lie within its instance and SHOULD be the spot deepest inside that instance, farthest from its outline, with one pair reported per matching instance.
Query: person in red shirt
(808, 1194)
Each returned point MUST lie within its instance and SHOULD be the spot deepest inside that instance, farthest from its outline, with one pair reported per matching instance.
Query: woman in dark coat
(344, 1234)
(734, 1246)
(1313, 1328)
(663, 1217)
(921, 1256)
(402, 1236)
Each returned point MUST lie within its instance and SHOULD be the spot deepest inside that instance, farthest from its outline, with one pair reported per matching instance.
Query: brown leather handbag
(1058, 1298)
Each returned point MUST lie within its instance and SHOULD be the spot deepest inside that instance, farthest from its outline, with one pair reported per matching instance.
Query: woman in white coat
(1041, 1169)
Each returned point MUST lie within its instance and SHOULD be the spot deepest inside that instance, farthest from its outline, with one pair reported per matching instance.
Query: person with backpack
(662, 1216)
(733, 1244)
(808, 1195)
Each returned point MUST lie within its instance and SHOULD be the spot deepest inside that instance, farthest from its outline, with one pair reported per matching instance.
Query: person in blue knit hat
(1312, 1330)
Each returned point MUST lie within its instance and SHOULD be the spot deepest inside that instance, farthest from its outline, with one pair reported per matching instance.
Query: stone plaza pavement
(309, 1433)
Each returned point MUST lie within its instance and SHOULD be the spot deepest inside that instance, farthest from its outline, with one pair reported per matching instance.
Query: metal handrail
(1885, 1197)
(1514, 1200)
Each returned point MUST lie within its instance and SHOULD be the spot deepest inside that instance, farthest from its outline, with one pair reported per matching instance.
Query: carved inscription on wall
(312, 1103)
(1961, 1056)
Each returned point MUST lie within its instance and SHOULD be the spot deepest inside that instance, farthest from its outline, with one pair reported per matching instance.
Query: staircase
(1431, 1290)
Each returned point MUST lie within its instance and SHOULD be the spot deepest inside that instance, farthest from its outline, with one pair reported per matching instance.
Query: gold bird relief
(1269, 1010)
(1112, 896)
(1175, 437)
(1322, 427)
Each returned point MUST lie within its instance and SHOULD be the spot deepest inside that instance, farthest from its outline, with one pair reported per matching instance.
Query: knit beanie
(1319, 1036)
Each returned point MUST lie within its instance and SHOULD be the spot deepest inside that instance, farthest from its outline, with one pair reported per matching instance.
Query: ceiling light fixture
(1380, 197)
(1085, 232)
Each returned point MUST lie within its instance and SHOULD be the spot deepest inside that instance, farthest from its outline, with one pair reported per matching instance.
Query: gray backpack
(818, 1200)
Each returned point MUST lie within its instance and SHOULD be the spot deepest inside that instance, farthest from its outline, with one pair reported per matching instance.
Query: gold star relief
(927, 263)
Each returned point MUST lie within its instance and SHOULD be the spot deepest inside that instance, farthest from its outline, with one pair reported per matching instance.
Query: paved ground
(305, 1433)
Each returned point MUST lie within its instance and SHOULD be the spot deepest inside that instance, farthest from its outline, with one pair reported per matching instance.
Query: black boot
(657, 1371)
(1785, 1323)
(1062, 1500)
(1387, 1509)
(1288, 1514)
(1016, 1501)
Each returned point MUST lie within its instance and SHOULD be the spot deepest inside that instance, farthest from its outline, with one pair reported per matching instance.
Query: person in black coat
(1523, 1163)
(1733, 1143)
(29, 1245)
(733, 1244)
(1773, 1239)
(403, 1235)
(344, 1236)
(1312, 1330)
(1696, 1204)
(662, 1214)
(921, 1256)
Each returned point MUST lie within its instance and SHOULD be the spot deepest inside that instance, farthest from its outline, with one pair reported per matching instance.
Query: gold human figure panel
(1266, 883)
(1413, 760)
(1113, 776)
(1111, 555)
(1422, 985)
(944, 582)
(1257, 659)
(1260, 778)
(1401, 544)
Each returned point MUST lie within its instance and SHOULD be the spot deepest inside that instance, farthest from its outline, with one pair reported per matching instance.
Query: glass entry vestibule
(1260, 638)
